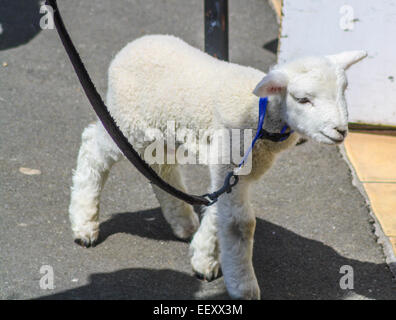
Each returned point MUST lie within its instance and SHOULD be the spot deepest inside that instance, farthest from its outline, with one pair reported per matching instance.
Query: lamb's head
(311, 92)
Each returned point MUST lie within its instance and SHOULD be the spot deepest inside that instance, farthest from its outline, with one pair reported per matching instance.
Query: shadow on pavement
(272, 46)
(20, 22)
(146, 224)
(287, 265)
(135, 284)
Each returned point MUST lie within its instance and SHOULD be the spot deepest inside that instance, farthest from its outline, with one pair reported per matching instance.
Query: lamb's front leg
(236, 225)
(96, 156)
(204, 247)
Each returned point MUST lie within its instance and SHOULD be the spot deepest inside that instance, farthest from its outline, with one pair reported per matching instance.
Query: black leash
(108, 121)
(122, 142)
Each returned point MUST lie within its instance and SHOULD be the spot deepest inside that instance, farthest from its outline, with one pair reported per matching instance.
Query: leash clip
(226, 188)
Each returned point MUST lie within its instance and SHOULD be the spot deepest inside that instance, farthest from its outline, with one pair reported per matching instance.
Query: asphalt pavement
(311, 220)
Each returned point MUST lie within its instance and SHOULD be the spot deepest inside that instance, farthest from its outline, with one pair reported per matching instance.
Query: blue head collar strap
(264, 134)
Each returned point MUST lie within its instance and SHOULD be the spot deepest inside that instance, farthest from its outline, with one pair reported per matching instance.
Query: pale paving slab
(373, 156)
(383, 202)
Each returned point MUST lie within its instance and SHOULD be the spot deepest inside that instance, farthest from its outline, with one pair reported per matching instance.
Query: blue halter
(232, 178)
(264, 134)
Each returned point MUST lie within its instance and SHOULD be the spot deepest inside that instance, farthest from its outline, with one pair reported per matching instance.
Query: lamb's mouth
(337, 141)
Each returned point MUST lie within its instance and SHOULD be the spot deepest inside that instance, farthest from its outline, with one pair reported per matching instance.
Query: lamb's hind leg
(96, 156)
(180, 215)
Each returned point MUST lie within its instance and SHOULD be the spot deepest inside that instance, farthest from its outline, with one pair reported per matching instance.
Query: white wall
(314, 27)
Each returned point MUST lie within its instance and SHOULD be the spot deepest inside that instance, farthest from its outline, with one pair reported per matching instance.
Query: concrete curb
(382, 239)
(276, 5)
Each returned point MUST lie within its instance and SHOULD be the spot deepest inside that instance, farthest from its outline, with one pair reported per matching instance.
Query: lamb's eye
(303, 100)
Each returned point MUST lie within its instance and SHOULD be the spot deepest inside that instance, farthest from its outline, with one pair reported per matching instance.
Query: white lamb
(159, 78)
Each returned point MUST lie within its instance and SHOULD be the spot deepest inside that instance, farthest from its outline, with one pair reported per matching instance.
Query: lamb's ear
(273, 83)
(347, 58)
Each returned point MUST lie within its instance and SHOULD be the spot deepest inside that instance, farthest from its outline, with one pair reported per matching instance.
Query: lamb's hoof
(86, 243)
(210, 277)
(206, 269)
(86, 235)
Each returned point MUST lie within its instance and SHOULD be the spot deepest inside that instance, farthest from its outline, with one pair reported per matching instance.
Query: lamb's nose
(342, 131)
